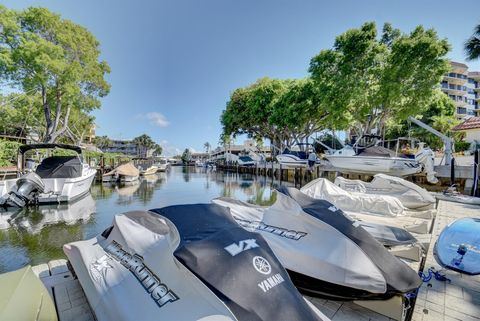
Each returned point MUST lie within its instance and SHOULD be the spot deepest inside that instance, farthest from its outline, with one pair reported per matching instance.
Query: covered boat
(409, 194)
(57, 178)
(326, 253)
(186, 262)
(383, 205)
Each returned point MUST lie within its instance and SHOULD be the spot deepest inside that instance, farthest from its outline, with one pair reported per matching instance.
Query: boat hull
(58, 190)
(288, 160)
(395, 166)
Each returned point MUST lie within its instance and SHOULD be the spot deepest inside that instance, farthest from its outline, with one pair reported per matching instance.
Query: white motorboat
(162, 165)
(56, 179)
(149, 171)
(372, 158)
(245, 161)
(123, 173)
(293, 157)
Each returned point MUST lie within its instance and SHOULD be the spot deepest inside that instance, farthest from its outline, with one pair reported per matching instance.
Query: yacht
(55, 179)
(149, 171)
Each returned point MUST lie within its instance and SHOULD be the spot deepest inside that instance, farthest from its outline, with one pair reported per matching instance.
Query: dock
(458, 299)
(436, 300)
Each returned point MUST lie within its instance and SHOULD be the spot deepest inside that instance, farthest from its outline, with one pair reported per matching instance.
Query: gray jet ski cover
(399, 277)
(142, 268)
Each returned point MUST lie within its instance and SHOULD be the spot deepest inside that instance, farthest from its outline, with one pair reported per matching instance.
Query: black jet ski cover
(399, 277)
(237, 265)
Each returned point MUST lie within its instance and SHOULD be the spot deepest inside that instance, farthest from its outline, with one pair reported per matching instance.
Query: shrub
(461, 146)
(8, 152)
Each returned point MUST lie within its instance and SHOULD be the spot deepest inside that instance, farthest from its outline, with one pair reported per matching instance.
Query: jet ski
(326, 253)
(185, 262)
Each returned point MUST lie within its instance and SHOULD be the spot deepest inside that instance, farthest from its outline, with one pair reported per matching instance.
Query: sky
(175, 62)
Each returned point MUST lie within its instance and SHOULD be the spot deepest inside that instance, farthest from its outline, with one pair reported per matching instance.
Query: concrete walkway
(459, 299)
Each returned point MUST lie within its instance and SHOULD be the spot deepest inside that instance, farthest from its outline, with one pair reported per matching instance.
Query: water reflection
(36, 235)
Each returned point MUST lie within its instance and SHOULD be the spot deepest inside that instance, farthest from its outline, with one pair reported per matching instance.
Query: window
(461, 110)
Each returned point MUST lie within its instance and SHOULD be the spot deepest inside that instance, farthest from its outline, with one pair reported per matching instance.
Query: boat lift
(447, 141)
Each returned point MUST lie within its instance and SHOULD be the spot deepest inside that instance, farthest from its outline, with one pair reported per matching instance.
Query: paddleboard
(458, 246)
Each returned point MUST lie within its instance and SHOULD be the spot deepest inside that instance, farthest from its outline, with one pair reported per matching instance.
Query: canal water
(36, 235)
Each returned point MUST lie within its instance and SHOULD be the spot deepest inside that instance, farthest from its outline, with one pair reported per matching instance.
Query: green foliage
(186, 156)
(365, 81)
(8, 152)
(102, 141)
(284, 111)
(43, 54)
(369, 81)
(439, 114)
(472, 45)
(461, 146)
(157, 150)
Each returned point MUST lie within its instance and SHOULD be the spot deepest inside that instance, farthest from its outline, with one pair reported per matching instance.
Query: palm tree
(472, 45)
(207, 147)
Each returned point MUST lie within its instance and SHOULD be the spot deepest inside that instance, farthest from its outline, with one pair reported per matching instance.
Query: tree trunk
(56, 134)
(48, 116)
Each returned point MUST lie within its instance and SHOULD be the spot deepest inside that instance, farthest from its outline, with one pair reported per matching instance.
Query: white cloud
(156, 119)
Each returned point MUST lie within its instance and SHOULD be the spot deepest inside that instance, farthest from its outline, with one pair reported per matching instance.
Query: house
(471, 128)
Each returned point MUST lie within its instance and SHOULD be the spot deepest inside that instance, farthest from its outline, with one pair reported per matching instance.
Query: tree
(186, 156)
(439, 113)
(472, 45)
(157, 150)
(55, 58)
(144, 144)
(207, 147)
(102, 141)
(365, 80)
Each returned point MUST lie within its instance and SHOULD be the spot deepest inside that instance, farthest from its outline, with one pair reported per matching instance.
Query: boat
(295, 156)
(149, 171)
(326, 253)
(199, 163)
(184, 262)
(410, 195)
(368, 157)
(162, 165)
(123, 173)
(246, 161)
(55, 179)
(24, 297)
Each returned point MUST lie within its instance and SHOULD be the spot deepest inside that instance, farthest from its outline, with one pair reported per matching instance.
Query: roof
(470, 123)
(24, 148)
(474, 74)
(458, 64)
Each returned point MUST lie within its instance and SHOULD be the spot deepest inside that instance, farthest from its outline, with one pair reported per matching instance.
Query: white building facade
(463, 87)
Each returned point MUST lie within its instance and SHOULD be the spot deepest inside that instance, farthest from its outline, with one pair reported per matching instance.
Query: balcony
(456, 78)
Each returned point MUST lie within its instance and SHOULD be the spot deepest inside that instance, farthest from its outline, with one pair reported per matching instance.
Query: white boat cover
(333, 257)
(383, 205)
(409, 194)
(197, 264)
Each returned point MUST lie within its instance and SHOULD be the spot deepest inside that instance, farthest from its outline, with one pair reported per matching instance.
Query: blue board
(458, 246)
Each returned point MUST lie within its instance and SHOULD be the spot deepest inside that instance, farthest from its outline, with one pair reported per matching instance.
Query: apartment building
(463, 87)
